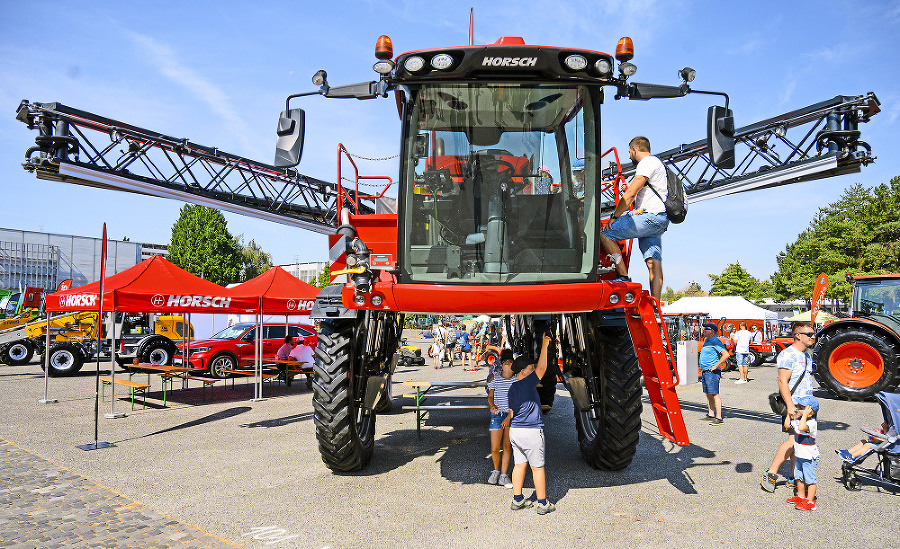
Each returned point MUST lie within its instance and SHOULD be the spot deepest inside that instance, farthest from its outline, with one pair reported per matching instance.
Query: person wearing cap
(647, 222)
(526, 430)
(712, 361)
(578, 178)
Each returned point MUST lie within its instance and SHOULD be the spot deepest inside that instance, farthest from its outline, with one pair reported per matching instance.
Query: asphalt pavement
(220, 470)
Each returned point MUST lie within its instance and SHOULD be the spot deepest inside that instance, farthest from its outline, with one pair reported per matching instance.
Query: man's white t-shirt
(303, 353)
(652, 168)
(742, 341)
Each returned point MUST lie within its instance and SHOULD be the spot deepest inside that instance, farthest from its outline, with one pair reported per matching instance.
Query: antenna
(471, 26)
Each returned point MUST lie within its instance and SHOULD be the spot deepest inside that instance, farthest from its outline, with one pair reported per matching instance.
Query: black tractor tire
(17, 353)
(344, 429)
(609, 440)
(158, 353)
(220, 363)
(66, 359)
(386, 400)
(835, 369)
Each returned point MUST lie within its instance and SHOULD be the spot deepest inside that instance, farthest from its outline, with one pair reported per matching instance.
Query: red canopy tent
(153, 285)
(278, 292)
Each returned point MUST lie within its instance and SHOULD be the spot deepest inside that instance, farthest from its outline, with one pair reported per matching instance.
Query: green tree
(254, 260)
(324, 278)
(857, 234)
(202, 245)
(735, 280)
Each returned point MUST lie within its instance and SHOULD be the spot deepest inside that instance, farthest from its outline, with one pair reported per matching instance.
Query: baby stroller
(887, 470)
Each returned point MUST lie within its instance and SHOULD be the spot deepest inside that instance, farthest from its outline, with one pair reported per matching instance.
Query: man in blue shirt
(526, 430)
(712, 360)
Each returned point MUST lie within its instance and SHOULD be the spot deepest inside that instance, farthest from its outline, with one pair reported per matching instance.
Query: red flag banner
(64, 285)
(818, 296)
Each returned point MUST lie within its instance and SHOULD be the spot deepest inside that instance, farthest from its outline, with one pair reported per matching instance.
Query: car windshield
(495, 189)
(232, 332)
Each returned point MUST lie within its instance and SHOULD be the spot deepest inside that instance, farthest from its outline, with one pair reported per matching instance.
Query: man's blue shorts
(711, 381)
(805, 470)
(742, 359)
(647, 228)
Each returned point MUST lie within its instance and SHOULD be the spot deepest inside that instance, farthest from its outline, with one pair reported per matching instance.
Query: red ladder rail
(658, 365)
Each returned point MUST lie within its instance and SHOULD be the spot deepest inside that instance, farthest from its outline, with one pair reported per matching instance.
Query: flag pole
(96, 445)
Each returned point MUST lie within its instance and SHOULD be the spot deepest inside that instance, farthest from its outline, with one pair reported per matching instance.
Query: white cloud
(167, 61)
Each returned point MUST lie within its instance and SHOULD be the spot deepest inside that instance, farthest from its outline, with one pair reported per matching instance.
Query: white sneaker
(738, 382)
(505, 481)
(495, 476)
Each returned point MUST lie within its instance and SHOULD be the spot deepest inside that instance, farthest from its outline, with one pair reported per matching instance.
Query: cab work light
(576, 62)
(603, 66)
(442, 61)
(414, 63)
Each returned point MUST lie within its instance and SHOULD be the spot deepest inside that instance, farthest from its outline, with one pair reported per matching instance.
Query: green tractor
(859, 356)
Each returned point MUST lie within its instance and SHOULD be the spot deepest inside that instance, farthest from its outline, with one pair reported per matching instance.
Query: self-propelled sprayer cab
(499, 165)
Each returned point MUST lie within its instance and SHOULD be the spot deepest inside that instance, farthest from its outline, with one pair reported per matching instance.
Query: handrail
(342, 192)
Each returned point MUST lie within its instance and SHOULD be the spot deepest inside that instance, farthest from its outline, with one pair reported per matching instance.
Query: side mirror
(289, 147)
(720, 136)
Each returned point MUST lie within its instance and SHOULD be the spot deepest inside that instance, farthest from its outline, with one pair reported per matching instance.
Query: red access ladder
(658, 365)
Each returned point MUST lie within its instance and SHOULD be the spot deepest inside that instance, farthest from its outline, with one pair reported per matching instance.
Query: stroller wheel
(853, 483)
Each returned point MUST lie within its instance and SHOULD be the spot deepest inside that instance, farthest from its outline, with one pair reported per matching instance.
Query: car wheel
(220, 364)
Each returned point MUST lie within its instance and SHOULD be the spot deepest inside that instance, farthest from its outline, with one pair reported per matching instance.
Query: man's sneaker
(524, 504)
(738, 382)
(544, 509)
(794, 500)
(707, 417)
(768, 481)
(716, 421)
(505, 481)
(495, 476)
(806, 505)
(791, 482)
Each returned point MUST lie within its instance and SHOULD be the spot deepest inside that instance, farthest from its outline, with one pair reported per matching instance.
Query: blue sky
(218, 72)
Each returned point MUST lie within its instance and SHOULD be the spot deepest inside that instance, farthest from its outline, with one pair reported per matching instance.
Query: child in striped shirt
(498, 391)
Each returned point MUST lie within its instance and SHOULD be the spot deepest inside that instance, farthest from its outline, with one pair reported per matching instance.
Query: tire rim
(63, 360)
(159, 356)
(221, 364)
(855, 364)
(18, 352)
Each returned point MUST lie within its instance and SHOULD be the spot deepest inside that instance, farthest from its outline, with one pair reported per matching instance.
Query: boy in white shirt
(806, 453)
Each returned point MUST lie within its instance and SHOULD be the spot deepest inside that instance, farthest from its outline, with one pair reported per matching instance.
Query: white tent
(821, 316)
(720, 306)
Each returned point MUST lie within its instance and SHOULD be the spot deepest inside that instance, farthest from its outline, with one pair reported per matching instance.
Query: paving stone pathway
(46, 506)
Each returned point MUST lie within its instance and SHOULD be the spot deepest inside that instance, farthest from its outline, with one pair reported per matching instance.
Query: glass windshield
(232, 332)
(878, 297)
(495, 190)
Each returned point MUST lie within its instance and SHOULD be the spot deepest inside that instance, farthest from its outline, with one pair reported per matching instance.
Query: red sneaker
(806, 505)
(794, 500)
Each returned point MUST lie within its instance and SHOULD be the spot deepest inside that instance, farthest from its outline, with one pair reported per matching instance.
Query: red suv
(233, 347)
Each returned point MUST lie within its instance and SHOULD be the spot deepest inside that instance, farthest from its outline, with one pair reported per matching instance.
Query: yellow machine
(72, 341)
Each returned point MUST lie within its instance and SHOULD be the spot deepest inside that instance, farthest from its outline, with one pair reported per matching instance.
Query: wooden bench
(422, 388)
(134, 386)
(207, 381)
(249, 373)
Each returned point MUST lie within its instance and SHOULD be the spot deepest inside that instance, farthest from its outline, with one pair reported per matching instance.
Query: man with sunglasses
(794, 371)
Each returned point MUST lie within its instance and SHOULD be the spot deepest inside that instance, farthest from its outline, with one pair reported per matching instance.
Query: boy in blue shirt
(526, 430)
(712, 360)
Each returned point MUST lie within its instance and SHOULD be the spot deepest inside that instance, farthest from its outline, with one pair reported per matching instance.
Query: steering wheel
(505, 170)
